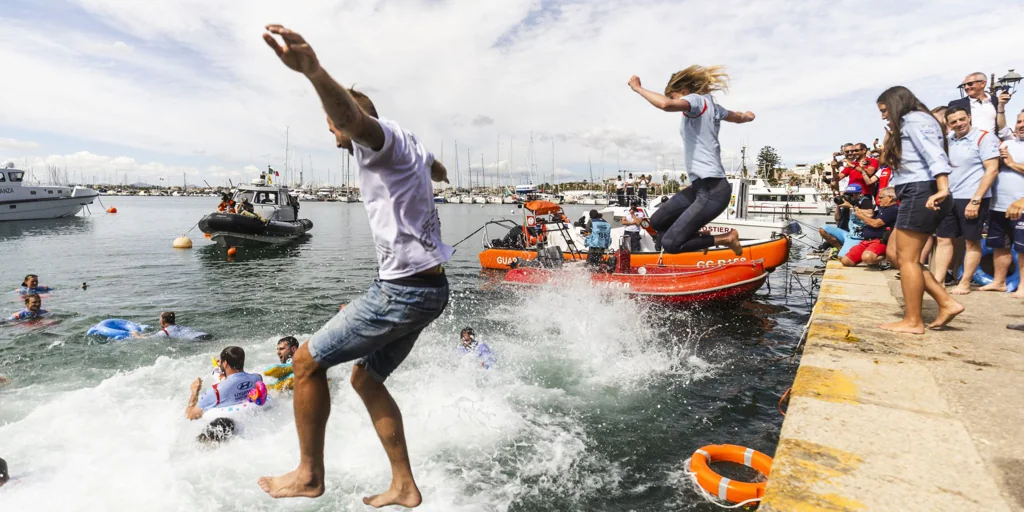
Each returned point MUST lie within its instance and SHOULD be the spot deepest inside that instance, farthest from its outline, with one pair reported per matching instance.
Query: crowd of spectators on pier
(982, 212)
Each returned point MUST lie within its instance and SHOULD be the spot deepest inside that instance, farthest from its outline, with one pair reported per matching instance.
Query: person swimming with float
(468, 344)
(283, 372)
(33, 308)
(234, 389)
(31, 285)
(679, 221)
(169, 329)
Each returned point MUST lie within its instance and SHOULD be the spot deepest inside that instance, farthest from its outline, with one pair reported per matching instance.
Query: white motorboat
(493, 199)
(788, 200)
(19, 202)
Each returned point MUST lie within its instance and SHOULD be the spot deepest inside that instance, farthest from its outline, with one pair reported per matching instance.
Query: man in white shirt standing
(380, 327)
(632, 219)
(987, 113)
(620, 192)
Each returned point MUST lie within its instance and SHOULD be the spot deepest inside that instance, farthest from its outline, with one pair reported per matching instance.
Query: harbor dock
(882, 421)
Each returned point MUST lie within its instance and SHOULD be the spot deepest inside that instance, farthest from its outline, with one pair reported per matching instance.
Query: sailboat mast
(469, 164)
(458, 176)
(482, 168)
(286, 128)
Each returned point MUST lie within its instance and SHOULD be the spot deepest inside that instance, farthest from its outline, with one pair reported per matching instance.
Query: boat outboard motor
(549, 256)
(622, 256)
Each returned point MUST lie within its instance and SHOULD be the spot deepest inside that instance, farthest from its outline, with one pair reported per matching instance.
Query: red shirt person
(860, 168)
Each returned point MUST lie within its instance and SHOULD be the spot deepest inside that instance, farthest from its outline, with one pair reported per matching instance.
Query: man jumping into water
(380, 327)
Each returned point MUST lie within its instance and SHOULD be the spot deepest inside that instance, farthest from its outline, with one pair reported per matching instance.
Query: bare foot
(993, 287)
(946, 315)
(960, 290)
(732, 241)
(1019, 294)
(292, 485)
(904, 327)
(409, 498)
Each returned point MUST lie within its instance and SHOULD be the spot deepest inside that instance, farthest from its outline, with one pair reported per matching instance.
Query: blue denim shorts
(379, 327)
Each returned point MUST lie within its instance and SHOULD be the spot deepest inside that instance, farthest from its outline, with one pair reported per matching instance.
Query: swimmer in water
(31, 285)
(33, 308)
(286, 348)
(168, 329)
(470, 345)
(233, 390)
(682, 218)
(5, 475)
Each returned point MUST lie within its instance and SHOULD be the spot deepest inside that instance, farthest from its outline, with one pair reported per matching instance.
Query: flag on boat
(272, 171)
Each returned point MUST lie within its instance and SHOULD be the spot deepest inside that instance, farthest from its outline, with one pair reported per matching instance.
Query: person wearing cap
(470, 345)
(846, 233)
(599, 239)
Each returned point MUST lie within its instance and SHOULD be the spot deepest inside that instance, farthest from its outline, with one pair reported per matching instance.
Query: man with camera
(878, 224)
(859, 167)
(987, 112)
(847, 232)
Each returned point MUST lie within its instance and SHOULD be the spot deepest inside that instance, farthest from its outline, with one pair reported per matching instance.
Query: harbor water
(595, 402)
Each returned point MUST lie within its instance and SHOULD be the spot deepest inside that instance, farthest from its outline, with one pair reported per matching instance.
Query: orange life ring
(646, 224)
(726, 488)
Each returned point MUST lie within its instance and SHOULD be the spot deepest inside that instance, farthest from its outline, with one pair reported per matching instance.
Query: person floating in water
(169, 329)
(682, 218)
(468, 344)
(5, 474)
(31, 285)
(232, 390)
(380, 327)
(284, 373)
(33, 308)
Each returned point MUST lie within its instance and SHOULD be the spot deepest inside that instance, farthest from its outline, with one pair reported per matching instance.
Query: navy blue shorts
(379, 327)
(914, 214)
(957, 225)
(1003, 231)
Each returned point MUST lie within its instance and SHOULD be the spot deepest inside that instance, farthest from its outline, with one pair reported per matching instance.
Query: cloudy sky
(110, 88)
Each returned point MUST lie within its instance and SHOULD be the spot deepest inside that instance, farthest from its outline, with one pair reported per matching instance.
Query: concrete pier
(880, 421)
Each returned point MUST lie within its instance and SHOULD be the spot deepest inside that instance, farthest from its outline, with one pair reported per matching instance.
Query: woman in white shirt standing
(680, 220)
(921, 176)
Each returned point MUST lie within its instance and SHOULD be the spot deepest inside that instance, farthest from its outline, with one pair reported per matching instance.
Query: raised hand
(634, 82)
(197, 385)
(296, 52)
(1005, 154)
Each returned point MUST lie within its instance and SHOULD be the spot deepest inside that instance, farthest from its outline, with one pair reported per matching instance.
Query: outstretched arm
(340, 106)
(192, 412)
(659, 100)
(740, 117)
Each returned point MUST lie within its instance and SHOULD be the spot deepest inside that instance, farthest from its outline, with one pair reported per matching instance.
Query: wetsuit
(680, 219)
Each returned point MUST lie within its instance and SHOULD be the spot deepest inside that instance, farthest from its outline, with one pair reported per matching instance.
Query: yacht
(787, 200)
(19, 202)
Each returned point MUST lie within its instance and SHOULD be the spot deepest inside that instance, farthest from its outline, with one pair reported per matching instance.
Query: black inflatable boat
(231, 230)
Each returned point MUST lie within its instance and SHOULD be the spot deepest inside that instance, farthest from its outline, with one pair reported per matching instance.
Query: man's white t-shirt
(629, 217)
(399, 199)
(619, 185)
(641, 183)
(629, 182)
(983, 114)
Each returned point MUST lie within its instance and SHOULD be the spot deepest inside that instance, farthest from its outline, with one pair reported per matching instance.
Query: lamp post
(1007, 83)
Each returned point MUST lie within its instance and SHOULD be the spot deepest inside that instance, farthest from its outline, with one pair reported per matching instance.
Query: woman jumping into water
(680, 220)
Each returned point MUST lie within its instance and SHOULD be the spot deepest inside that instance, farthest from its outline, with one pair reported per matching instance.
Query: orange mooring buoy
(232, 252)
(207, 235)
(111, 210)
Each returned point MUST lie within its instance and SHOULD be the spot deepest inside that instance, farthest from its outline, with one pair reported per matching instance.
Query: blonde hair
(699, 80)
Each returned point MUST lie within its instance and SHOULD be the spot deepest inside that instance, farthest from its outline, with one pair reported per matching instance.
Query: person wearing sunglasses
(987, 112)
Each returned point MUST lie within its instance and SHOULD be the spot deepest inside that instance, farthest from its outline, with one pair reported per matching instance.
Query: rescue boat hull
(231, 230)
(773, 252)
(676, 284)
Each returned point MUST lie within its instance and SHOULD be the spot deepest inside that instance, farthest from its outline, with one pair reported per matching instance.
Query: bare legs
(972, 258)
(915, 280)
(387, 420)
(312, 406)
(943, 256)
(1001, 259)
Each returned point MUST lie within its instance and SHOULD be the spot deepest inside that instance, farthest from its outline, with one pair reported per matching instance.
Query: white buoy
(183, 242)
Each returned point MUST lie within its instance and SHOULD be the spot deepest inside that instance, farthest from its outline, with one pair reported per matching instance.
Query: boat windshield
(266, 198)
(243, 194)
(15, 175)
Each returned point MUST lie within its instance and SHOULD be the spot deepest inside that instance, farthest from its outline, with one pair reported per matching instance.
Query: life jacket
(600, 234)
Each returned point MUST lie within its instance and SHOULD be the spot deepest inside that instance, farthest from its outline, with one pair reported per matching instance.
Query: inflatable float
(283, 373)
(116, 329)
(983, 277)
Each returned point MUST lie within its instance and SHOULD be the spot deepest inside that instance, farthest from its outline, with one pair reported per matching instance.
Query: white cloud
(86, 167)
(17, 145)
(193, 78)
